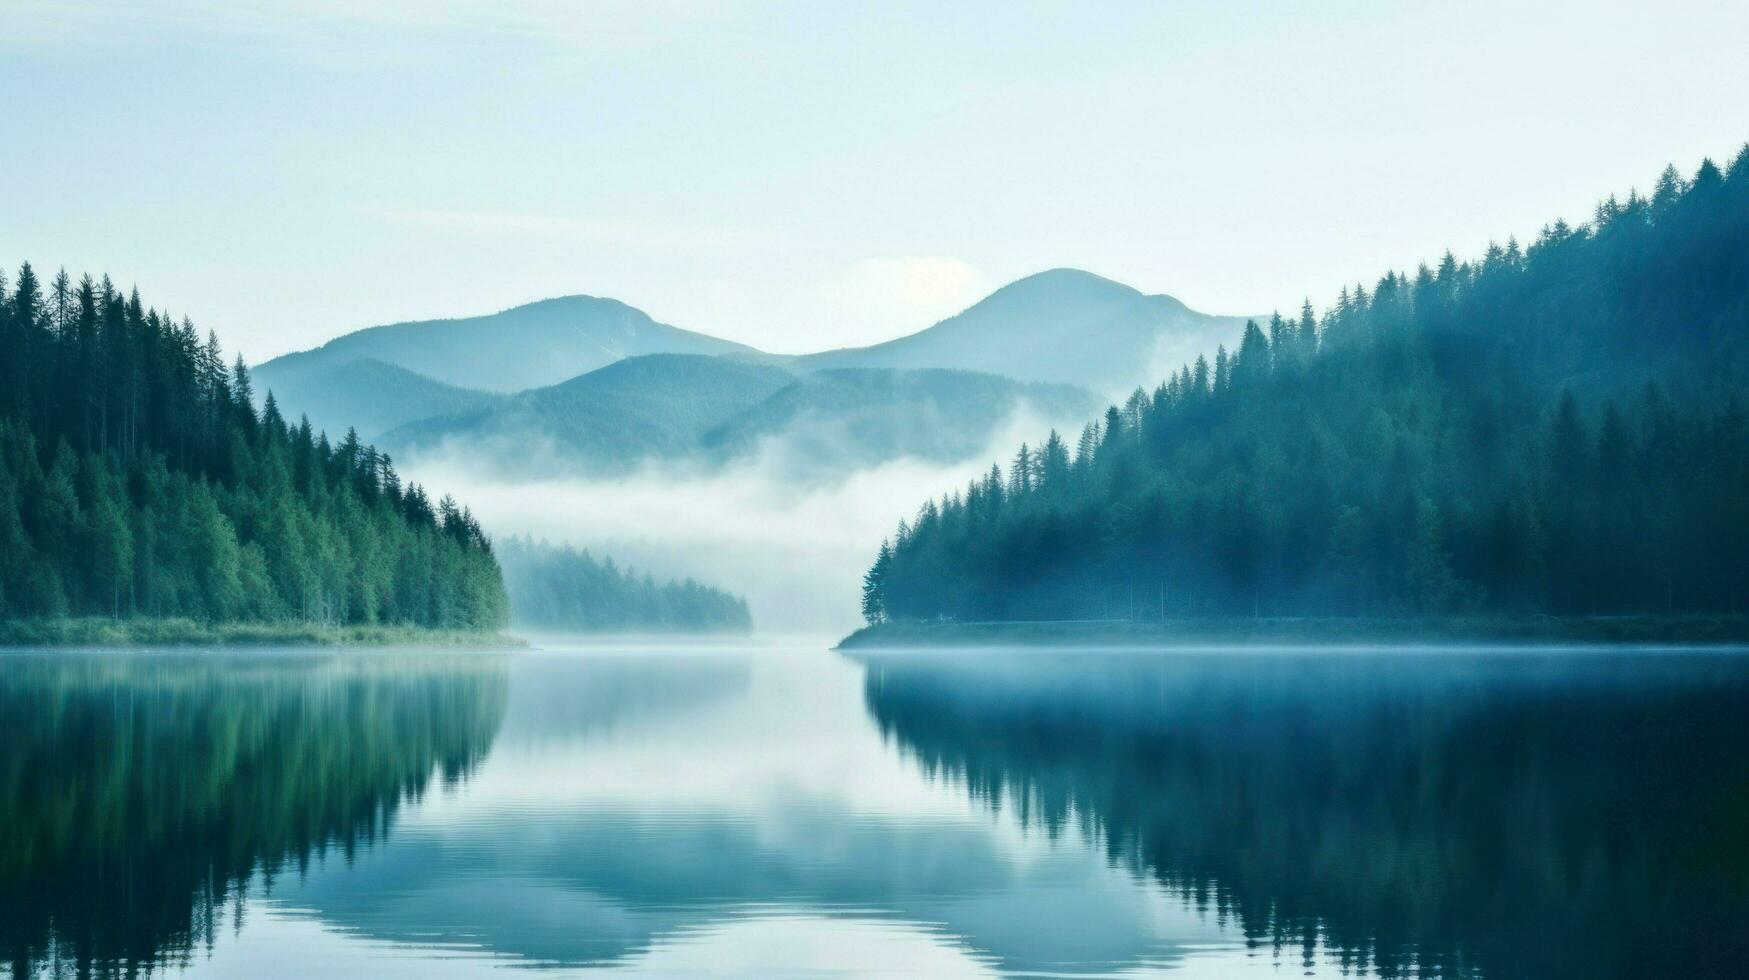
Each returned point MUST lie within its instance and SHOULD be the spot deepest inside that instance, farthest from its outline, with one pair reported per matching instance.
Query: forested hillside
(137, 479)
(846, 418)
(1552, 429)
(633, 410)
(562, 589)
(715, 410)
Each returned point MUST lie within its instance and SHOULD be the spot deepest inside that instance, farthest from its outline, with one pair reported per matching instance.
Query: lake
(777, 809)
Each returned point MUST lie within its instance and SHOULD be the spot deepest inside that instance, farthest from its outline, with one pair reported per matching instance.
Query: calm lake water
(784, 810)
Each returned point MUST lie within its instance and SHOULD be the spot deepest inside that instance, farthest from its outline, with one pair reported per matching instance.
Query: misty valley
(1077, 633)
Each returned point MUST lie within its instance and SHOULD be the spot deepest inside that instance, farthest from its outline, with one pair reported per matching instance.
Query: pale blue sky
(808, 175)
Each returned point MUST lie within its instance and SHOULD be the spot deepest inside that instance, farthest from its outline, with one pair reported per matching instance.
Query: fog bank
(795, 547)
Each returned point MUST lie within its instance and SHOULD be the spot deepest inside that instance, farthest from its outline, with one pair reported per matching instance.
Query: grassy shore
(1538, 629)
(99, 631)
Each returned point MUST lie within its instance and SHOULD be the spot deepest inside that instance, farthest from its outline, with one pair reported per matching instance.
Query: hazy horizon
(799, 178)
(902, 331)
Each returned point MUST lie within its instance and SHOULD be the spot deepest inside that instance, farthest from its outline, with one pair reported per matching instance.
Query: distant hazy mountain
(524, 347)
(656, 405)
(416, 384)
(713, 409)
(848, 417)
(1064, 326)
(365, 394)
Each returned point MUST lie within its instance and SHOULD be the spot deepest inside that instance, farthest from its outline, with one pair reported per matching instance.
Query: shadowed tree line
(560, 588)
(140, 797)
(1492, 815)
(1552, 429)
(137, 478)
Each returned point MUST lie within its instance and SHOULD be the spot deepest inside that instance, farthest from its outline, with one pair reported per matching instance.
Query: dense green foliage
(1549, 430)
(563, 589)
(136, 478)
(140, 797)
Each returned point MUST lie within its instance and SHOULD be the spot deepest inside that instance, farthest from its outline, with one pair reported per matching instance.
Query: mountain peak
(1064, 289)
(573, 301)
(1060, 325)
(528, 346)
(1065, 277)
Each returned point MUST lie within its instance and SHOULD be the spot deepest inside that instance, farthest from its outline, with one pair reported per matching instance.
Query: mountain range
(654, 405)
(713, 410)
(604, 384)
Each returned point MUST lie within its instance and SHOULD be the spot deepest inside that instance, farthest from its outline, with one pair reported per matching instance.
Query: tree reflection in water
(140, 793)
(1501, 814)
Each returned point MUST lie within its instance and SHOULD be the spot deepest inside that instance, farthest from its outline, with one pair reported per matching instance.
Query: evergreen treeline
(1552, 429)
(137, 478)
(560, 588)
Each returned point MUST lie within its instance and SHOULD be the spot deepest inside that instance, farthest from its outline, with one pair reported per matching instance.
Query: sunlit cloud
(887, 296)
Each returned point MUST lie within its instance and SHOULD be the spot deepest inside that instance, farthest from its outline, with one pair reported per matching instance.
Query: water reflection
(139, 793)
(1499, 815)
(749, 791)
(765, 810)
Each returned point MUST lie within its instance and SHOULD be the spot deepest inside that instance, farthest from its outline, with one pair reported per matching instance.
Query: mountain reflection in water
(772, 808)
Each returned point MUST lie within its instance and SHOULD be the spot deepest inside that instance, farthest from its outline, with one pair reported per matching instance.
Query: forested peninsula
(144, 497)
(1549, 434)
(557, 588)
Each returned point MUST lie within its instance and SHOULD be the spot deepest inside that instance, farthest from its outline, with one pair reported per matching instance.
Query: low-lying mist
(794, 542)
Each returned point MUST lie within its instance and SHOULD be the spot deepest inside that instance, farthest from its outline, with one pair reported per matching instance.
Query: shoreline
(18, 634)
(1552, 630)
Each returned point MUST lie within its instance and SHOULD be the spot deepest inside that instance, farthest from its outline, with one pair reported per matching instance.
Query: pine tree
(874, 605)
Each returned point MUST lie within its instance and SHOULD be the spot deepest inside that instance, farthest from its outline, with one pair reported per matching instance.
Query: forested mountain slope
(528, 346)
(846, 418)
(1556, 429)
(1062, 325)
(137, 478)
(654, 406)
(711, 410)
